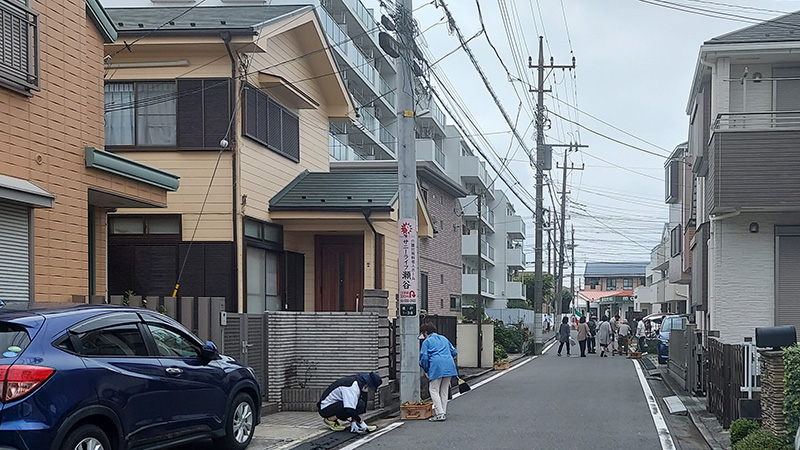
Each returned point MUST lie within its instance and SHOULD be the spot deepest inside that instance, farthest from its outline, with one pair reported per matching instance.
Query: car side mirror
(209, 351)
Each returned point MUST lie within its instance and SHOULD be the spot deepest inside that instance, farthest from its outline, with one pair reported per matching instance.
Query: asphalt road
(549, 402)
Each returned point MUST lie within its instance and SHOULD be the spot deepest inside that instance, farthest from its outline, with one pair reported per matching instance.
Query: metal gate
(244, 338)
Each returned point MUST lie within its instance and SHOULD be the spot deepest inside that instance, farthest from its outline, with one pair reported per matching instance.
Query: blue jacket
(436, 357)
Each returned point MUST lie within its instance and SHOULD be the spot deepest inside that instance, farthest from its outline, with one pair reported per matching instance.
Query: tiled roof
(315, 191)
(615, 269)
(206, 18)
(781, 29)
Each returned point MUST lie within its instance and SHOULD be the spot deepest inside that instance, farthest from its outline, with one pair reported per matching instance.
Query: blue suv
(117, 378)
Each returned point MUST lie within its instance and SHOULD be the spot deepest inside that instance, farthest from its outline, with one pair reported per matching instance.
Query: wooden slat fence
(726, 376)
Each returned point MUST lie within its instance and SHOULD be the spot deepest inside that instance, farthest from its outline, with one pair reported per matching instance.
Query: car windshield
(667, 324)
(13, 339)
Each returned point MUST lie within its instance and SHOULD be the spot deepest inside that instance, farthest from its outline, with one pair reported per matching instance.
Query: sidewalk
(717, 437)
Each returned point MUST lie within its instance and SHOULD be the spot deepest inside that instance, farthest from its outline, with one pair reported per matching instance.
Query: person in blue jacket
(436, 359)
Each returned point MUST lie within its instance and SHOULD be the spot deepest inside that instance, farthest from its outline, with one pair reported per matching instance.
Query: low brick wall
(772, 397)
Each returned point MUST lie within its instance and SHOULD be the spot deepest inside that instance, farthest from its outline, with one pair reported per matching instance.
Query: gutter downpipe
(367, 213)
(232, 143)
(725, 216)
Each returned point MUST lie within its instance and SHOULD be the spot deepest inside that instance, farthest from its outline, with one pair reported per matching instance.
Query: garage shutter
(14, 253)
(787, 283)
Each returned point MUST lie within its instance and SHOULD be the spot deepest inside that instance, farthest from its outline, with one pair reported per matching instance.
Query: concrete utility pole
(407, 179)
(559, 287)
(572, 272)
(479, 304)
(540, 161)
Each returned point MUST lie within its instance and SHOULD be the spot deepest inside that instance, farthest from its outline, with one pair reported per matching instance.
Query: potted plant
(416, 410)
(500, 358)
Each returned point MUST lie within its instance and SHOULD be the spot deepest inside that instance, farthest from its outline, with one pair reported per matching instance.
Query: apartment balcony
(469, 247)
(515, 290)
(751, 162)
(434, 117)
(430, 150)
(357, 145)
(515, 227)
(473, 170)
(469, 208)
(515, 258)
(469, 285)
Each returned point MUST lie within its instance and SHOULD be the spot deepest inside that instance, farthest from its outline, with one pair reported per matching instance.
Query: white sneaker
(354, 428)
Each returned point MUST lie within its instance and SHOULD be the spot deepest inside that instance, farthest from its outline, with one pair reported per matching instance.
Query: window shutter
(291, 136)
(250, 115)
(261, 117)
(216, 111)
(190, 113)
(18, 47)
(274, 139)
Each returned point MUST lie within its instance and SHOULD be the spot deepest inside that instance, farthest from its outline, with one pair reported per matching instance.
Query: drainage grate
(327, 441)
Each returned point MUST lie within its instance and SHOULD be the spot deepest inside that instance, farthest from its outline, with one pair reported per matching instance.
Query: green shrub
(499, 353)
(761, 439)
(510, 338)
(740, 428)
(791, 388)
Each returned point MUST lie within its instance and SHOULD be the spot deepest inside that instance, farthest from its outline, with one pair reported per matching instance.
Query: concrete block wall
(440, 256)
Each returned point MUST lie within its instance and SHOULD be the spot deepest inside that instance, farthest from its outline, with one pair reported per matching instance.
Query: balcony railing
(386, 90)
(334, 31)
(362, 13)
(19, 46)
(364, 65)
(388, 139)
(440, 157)
(755, 121)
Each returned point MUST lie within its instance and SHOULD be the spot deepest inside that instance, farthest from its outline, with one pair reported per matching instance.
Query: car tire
(239, 424)
(86, 437)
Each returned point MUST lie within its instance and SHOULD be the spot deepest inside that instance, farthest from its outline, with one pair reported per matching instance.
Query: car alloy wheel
(242, 422)
(89, 443)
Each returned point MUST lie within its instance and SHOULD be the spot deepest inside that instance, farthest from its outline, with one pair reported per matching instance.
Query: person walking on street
(346, 399)
(604, 336)
(591, 341)
(640, 334)
(583, 335)
(563, 335)
(436, 359)
(623, 334)
(614, 322)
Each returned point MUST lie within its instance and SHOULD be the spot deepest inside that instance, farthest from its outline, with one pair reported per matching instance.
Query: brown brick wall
(440, 256)
(42, 140)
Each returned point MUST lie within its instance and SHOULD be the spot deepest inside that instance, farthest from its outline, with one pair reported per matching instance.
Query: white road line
(372, 436)
(496, 376)
(548, 347)
(658, 419)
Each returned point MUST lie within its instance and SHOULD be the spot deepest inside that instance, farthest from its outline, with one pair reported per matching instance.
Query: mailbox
(776, 337)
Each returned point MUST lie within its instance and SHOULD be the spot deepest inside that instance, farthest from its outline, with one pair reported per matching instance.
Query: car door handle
(174, 370)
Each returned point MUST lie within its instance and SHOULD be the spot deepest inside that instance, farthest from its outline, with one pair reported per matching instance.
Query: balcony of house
(469, 285)
(515, 290)
(368, 130)
(751, 162)
(348, 143)
(469, 247)
(515, 258)
(515, 227)
(431, 150)
(473, 170)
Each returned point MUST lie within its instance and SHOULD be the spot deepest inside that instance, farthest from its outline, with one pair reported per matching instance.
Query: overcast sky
(635, 62)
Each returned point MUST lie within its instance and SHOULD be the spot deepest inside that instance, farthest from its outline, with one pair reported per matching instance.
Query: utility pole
(407, 179)
(560, 284)
(479, 304)
(572, 272)
(541, 157)
(549, 239)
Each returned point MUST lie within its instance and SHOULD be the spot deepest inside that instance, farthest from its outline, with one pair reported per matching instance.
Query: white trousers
(439, 388)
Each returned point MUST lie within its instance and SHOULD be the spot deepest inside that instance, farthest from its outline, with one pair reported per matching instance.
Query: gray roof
(315, 191)
(615, 269)
(781, 29)
(209, 18)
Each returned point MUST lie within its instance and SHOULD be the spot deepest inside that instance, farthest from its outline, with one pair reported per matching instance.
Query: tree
(529, 279)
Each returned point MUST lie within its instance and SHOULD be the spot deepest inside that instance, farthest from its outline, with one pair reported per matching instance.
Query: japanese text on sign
(408, 265)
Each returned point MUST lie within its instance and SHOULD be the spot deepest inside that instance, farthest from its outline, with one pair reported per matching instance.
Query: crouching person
(346, 399)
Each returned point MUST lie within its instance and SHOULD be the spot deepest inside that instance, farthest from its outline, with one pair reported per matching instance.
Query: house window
(627, 283)
(675, 241)
(188, 114)
(611, 283)
(671, 180)
(145, 225)
(270, 124)
(19, 47)
(264, 247)
(593, 282)
(455, 302)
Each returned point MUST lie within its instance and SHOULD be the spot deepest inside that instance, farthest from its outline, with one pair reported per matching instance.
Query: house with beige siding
(57, 183)
(237, 100)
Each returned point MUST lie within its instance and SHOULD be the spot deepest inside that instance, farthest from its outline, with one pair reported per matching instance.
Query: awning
(22, 191)
(594, 296)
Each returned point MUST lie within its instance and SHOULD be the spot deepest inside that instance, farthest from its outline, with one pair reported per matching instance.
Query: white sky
(635, 62)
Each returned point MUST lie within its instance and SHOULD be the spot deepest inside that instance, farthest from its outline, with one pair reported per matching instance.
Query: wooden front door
(339, 273)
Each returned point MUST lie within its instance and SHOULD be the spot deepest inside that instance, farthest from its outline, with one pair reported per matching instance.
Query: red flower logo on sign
(406, 228)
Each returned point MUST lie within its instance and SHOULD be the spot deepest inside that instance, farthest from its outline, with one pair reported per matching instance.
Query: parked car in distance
(118, 378)
(668, 323)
